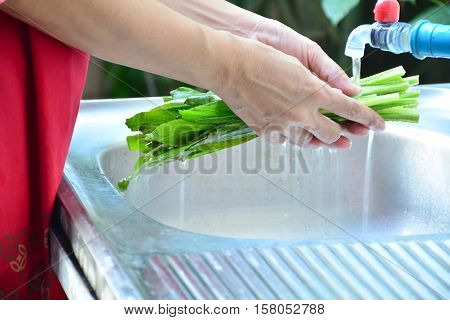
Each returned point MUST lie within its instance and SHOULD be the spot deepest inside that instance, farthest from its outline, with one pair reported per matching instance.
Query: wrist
(224, 61)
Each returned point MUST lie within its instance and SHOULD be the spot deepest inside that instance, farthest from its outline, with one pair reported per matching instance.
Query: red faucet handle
(387, 11)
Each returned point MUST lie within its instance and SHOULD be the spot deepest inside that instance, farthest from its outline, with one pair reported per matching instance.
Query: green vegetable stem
(191, 123)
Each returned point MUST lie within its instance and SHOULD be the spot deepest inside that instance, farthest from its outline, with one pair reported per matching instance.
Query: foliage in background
(328, 22)
(337, 10)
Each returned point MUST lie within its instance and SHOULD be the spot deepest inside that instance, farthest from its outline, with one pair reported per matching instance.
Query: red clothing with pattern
(41, 81)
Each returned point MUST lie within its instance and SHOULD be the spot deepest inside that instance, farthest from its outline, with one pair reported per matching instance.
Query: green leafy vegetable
(212, 113)
(178, 132)
(138, 143)
(148, 121)
(191, 123)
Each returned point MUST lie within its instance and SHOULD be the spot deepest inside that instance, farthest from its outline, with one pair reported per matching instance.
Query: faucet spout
(357, 41)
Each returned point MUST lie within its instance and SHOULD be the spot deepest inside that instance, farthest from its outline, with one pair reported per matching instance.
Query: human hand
(278, 96)
(222, 15)
(311, 55)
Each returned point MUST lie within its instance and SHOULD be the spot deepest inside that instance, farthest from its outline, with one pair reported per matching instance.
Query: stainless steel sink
(263, 221)
(403, 192)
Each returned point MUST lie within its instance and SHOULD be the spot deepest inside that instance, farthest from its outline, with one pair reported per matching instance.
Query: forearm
(142, 34)
(218, 14)
(223, 15)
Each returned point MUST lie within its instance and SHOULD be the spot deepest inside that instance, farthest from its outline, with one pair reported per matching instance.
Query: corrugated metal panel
(394, 270)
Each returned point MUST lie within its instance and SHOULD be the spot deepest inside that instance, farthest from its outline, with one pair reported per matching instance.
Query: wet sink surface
(262, 191)
(319, 217)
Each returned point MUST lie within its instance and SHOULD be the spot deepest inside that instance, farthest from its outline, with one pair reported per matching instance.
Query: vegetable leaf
(191, 123)
(178, 132)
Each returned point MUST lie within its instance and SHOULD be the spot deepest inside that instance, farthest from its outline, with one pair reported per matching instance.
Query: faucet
(423, 39)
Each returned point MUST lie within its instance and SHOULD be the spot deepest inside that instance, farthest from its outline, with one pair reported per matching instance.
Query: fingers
(353, 110)
(329, 71)
(355, 129)
(341, 143)
(298, 136)
(275, 137)
(324, 129)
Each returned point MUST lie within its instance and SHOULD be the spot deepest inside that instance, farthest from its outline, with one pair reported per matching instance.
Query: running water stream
(367, 184)
(356, 64)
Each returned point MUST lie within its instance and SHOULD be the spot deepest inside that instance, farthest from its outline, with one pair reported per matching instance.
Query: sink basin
(263, 221)
(398, 186)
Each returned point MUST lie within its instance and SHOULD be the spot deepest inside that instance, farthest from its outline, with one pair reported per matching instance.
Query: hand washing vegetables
(191, 123)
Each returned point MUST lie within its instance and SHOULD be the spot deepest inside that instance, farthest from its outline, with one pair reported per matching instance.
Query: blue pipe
(430, 40)
(423, 40)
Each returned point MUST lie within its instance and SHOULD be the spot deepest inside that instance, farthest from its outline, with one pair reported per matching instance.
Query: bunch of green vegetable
(191, 123)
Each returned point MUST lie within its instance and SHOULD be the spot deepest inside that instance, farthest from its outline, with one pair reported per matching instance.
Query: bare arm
(223, 15)
(218, 14)
(141, 34)
(267, 88)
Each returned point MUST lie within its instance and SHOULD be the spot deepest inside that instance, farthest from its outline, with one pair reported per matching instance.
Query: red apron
(41, 81)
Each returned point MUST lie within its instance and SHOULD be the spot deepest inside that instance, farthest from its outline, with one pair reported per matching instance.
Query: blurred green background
(328, 22)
